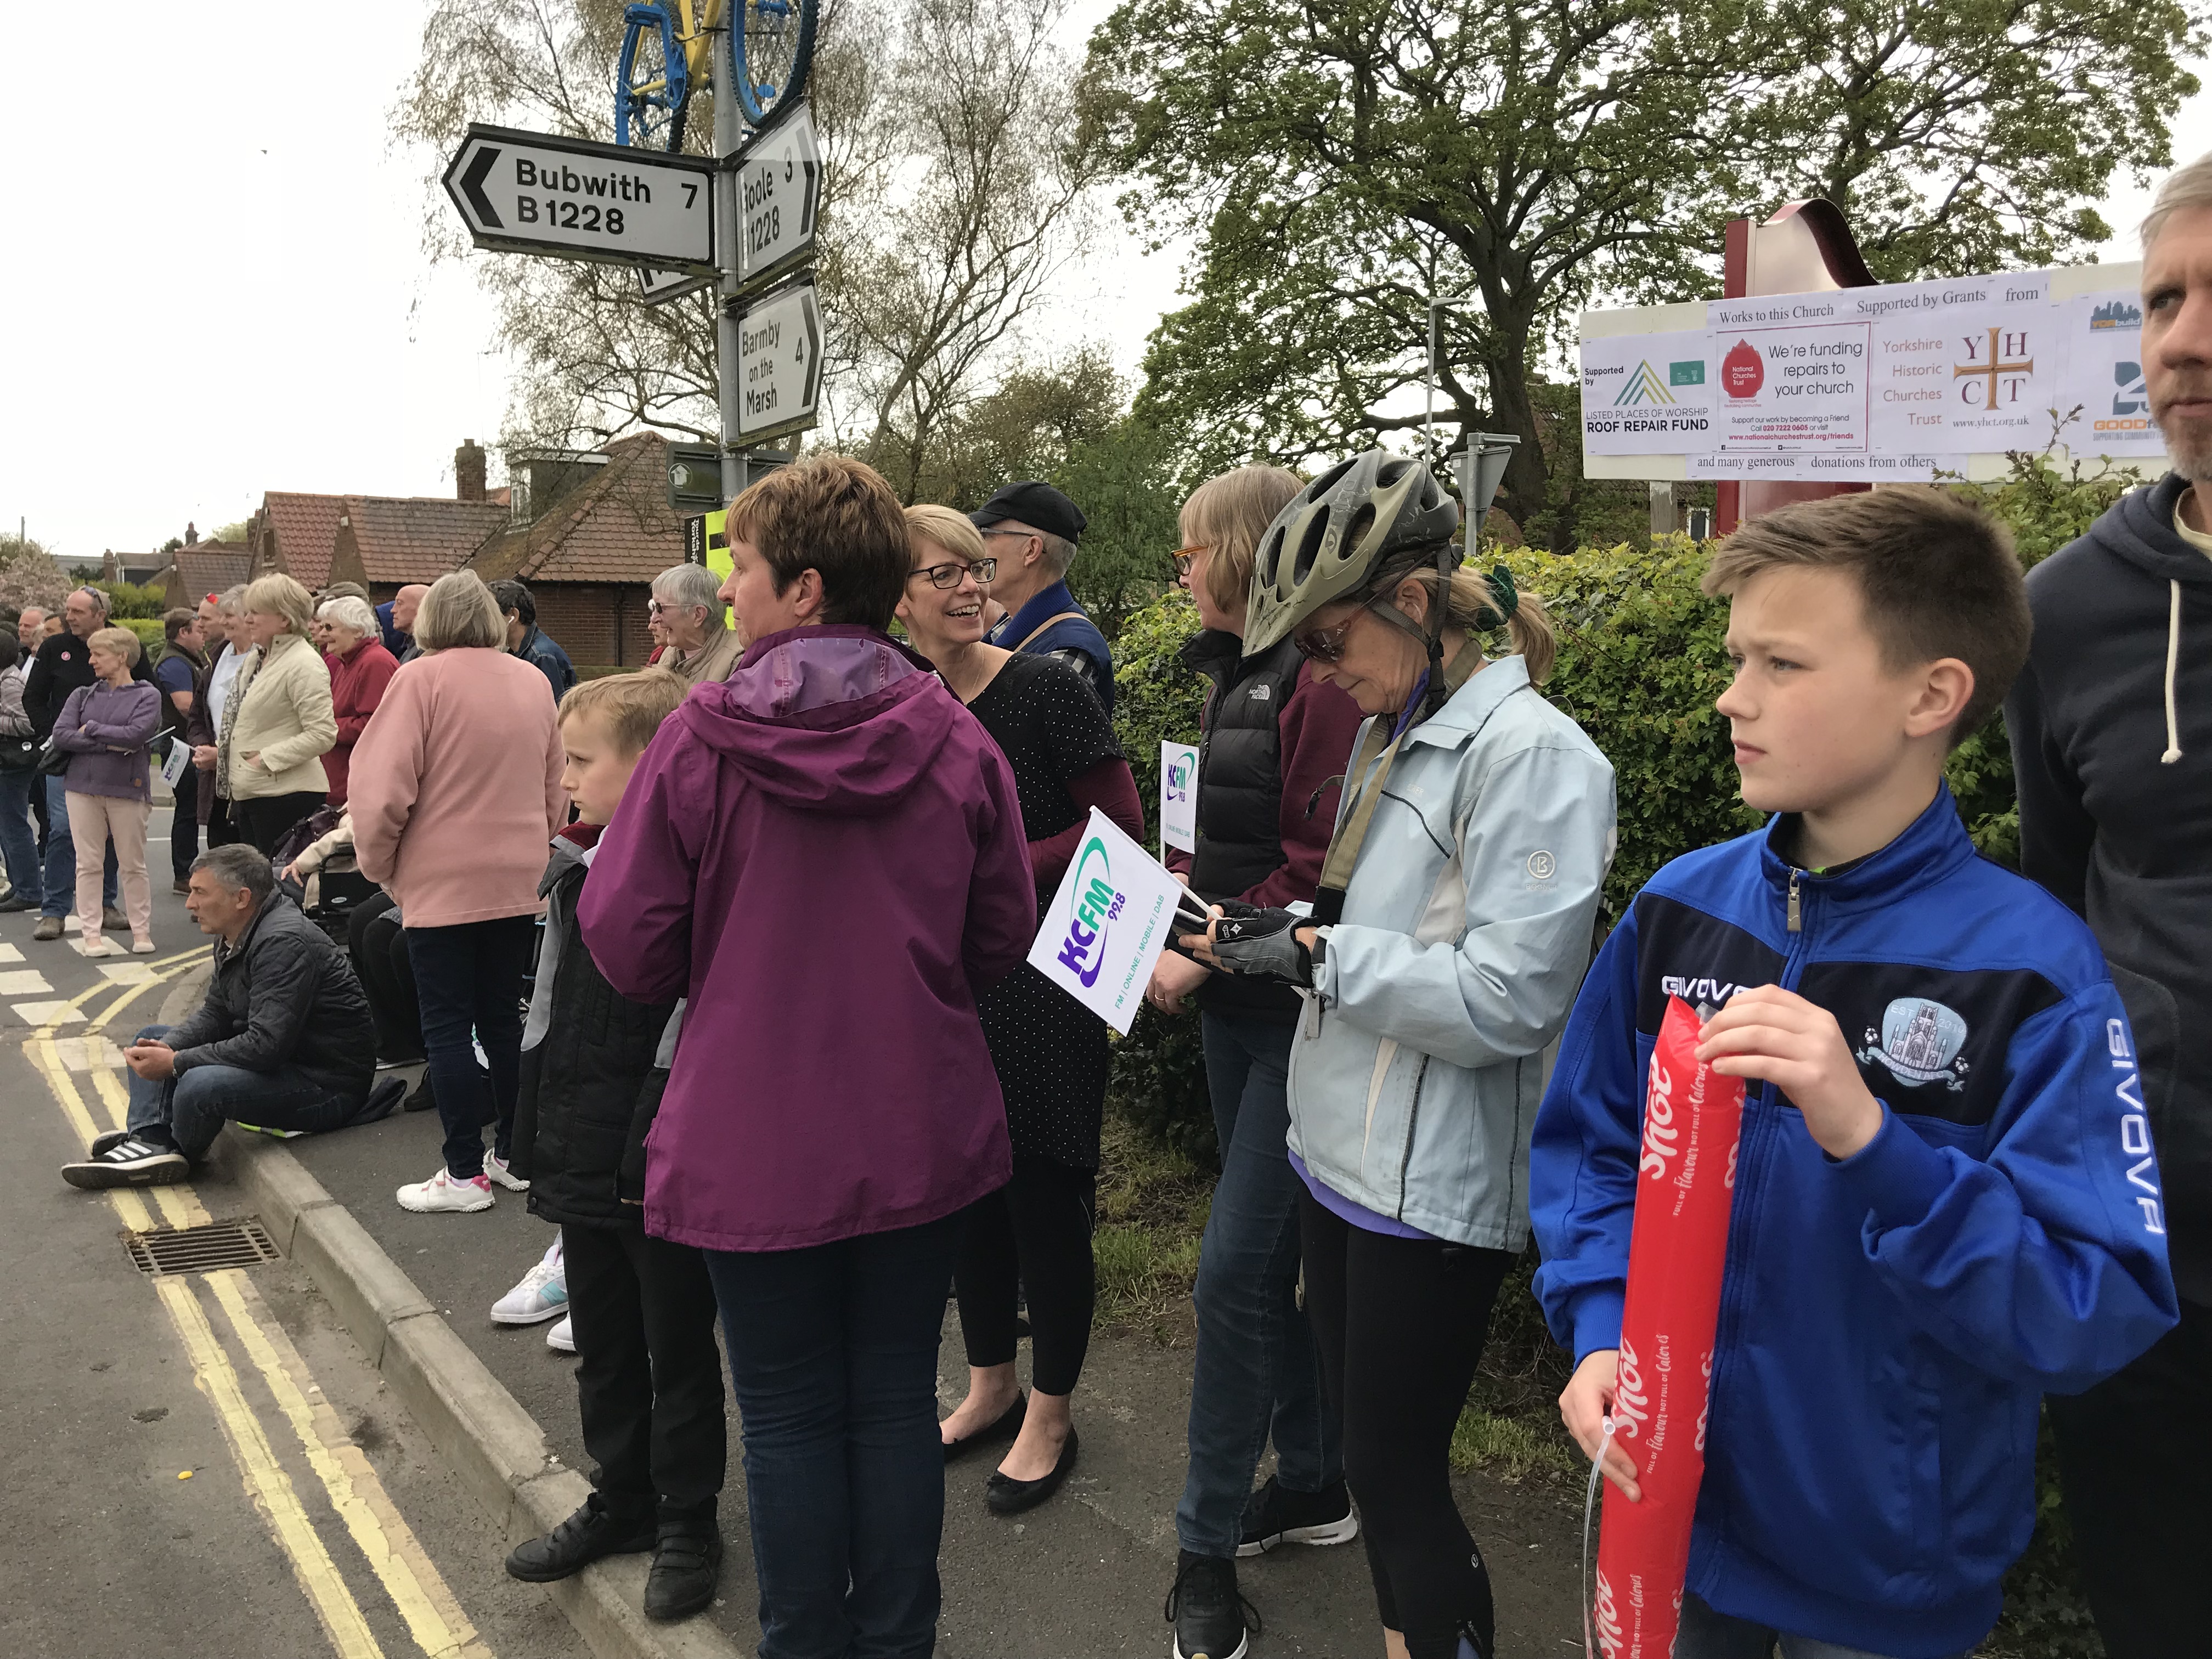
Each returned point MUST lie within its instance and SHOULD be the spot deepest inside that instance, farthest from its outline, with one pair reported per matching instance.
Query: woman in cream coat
(280, 723)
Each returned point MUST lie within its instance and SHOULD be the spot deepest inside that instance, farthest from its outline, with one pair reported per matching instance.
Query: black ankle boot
(687, 1564)
(588, 1535)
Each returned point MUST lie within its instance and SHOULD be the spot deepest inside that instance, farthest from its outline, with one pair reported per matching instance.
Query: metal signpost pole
(729, 131)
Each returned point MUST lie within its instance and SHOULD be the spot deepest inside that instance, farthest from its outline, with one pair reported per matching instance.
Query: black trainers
(130, 1161)
(588, 1535)
(1276, 1515)
(1210, 1619)
(687, 1564)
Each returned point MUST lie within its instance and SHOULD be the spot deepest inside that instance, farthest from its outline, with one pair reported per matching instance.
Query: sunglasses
(1325, 644)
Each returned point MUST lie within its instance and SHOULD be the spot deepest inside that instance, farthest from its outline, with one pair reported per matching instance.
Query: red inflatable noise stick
(1685, 1184)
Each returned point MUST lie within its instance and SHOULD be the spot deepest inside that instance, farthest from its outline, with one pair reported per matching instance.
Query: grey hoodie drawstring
(2173, 666)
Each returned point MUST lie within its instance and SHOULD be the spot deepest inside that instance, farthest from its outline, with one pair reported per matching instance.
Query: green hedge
(1641, 661)
(150, 633)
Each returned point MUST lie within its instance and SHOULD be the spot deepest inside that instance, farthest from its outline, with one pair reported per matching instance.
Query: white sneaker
(543, 1293)
(142, 947)
(495, 1167)
(97, 946)
(441, 1193)
(561, 1339)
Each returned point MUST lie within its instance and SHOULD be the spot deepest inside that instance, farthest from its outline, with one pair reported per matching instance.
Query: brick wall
(600, 625)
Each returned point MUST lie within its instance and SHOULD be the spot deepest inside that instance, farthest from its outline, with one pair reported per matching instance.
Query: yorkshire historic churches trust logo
(1919, 1042)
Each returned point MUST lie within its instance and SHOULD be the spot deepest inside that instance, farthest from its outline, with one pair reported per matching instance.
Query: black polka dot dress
(1049, 1049)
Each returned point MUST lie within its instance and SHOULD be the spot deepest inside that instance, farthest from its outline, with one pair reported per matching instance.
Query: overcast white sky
(216, 284)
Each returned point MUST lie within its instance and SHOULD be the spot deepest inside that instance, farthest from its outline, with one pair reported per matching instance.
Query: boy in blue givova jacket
(1946, 1201)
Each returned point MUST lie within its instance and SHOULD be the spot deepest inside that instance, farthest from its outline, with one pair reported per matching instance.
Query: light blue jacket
(1467, 923)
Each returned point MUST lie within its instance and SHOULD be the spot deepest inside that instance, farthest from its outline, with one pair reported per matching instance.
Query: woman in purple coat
(108, 727)
(824, 855)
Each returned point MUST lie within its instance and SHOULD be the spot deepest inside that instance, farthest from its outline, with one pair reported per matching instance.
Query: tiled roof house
(202, 568)
(385, 542)
(294, 533)
(590, 558)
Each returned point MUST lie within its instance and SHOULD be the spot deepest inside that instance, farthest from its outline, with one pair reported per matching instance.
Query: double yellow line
(433, 1617)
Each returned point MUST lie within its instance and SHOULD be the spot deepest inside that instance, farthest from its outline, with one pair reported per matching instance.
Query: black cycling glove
(1256, 943)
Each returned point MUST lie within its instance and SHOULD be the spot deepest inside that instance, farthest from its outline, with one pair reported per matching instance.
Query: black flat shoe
(588, 1535)
(1008, 1426)
(1007, 1496)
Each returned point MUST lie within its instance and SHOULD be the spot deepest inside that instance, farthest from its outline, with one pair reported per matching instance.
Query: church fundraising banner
(1902, 380)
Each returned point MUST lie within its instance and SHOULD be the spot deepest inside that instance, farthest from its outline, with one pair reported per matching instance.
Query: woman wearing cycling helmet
(1451, 927)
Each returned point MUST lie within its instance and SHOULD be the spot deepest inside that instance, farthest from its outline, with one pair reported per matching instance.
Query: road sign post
(534, 193)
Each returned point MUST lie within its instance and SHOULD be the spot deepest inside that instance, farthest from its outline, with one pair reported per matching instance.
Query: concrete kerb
(473, 1421)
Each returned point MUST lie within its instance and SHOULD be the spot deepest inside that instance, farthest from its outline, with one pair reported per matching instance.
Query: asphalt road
(202, 1464)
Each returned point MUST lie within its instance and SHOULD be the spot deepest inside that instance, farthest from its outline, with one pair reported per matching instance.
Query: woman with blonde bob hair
(106, 727)
(455, 790)
(280, 723)
(1275, 739)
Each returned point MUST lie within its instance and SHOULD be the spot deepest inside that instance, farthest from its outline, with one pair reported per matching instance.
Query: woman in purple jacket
(824, 855)
(108, 727)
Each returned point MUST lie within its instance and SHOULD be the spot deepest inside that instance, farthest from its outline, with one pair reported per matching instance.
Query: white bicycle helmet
(1335, 539)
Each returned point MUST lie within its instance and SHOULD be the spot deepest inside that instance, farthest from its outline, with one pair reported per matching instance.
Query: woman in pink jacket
(455, 787)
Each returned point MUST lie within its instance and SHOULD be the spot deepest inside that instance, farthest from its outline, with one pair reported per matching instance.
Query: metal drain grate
(243, 1243)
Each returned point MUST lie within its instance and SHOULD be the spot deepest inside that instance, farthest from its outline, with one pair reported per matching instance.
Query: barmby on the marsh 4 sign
(779, 363)
(1108, 924)
(536, 192)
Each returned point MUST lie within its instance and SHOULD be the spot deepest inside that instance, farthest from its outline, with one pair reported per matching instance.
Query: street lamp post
(1437, 309)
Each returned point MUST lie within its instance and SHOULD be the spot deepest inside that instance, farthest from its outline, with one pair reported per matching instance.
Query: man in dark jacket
(63, 665)
(283, 1039)
(1030, 529)
(526, 640)
(2112, 736)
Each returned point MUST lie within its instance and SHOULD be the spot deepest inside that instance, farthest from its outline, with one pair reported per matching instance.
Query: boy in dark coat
(649, 1379)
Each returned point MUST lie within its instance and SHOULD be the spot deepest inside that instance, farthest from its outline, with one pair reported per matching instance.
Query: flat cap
(1036, 504)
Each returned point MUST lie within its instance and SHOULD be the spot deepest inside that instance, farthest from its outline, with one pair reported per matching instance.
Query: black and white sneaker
(1210, 1619)
(1276, 1515)
(130, 1162)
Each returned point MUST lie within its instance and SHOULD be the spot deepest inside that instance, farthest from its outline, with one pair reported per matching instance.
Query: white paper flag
(174, 763)
(1178, 797)
(1108, 924)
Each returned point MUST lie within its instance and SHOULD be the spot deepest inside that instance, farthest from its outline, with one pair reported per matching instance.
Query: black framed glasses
(949, 573)
(1183, 558)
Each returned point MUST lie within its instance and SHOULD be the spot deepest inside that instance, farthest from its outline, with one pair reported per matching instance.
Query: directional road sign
(778, 362)
(779, 194)
(659, 287)
(535, 192)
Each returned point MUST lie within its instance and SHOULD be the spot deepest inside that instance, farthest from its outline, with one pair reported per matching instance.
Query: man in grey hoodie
(2111, 738)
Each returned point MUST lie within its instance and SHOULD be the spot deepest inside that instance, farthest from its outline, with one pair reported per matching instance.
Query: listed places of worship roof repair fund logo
(1094, 904)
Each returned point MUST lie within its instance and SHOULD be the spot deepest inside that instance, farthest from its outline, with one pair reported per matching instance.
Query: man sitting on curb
(283, 1039)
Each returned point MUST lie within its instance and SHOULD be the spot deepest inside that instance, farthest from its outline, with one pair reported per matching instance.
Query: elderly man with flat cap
(1030, 529)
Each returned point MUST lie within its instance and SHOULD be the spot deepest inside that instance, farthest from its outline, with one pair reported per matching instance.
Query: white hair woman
(455, 788)
(280, 727)
(359, 669)
(689, 610)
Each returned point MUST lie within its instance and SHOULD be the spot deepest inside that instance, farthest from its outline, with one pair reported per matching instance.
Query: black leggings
(377, 944)
(1399, 1324)
(1034, 1235)
(265, 820)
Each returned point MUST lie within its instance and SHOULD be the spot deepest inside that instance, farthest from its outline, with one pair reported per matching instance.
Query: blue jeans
(469, 977)
(1255, 1373)
(833, 1359)
(19, 842)
(61, 857)
(190, 1110)
(1709, 1635)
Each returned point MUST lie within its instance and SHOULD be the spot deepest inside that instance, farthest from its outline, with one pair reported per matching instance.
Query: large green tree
(1340, 162)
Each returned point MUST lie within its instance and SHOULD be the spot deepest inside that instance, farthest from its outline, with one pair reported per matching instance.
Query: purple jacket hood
(833, 719)
(824, 855)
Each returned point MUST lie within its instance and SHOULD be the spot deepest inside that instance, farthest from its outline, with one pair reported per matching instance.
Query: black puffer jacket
(283, 996)
(591, 1085)
(1240, 793)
